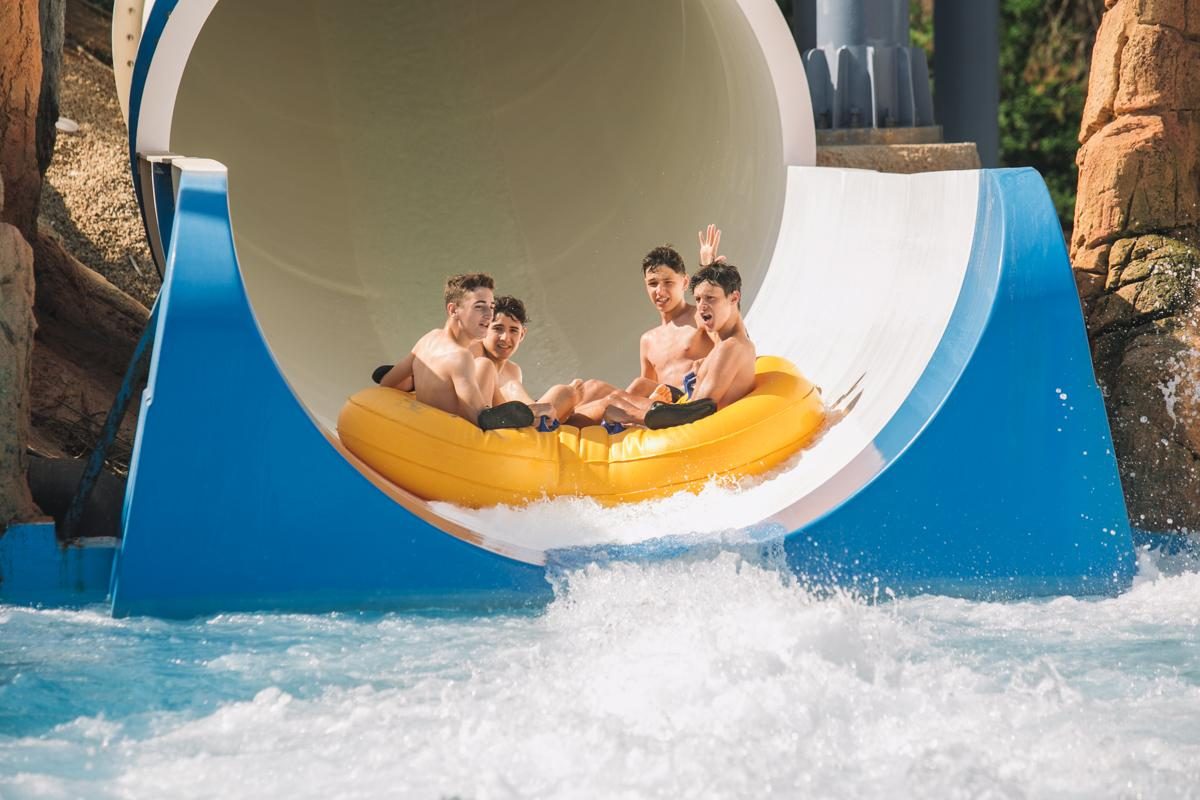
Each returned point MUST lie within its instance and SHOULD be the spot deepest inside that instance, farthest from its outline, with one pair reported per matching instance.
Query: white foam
(721, 506)
(705, 678)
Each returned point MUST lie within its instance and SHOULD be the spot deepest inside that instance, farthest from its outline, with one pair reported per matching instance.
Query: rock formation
(20, 87)
(52, 23)
(63, 380)
(90, 252)
(87, 331)
(1135, 249)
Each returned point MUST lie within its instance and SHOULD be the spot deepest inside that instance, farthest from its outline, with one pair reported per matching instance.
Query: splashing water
(719, 510)
(706, 678)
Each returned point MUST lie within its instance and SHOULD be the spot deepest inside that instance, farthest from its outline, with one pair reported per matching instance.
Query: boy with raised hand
(504, 336)
(446, 374)
(669, 350)
(724, 376)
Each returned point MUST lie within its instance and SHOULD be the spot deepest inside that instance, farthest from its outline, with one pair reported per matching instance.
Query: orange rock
(1160, 69)
(1106, 70)
(1134, 249)
(16, 339)
(20, 87)
(1139, 174)
(1182, 15)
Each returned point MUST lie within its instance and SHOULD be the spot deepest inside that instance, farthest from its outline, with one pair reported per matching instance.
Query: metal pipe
(967, 42)
(863, 72)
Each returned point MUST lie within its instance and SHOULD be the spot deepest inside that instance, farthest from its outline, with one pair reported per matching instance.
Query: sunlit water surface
(708, 678)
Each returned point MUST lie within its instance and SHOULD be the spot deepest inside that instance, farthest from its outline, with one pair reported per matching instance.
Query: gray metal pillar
(966, 39)
(803, 22)
(863, 73)
(878, 23)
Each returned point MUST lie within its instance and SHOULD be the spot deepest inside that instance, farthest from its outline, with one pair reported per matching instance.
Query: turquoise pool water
(709, 678)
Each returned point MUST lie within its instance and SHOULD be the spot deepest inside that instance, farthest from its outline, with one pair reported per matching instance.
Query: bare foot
(543, 410)
(661, 394)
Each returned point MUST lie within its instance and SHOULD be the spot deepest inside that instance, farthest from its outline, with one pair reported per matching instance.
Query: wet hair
(511, 306)
(724, 275)
(458, 285)
(664, 256)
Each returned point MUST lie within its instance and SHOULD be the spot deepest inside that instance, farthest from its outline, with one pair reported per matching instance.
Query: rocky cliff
(20, 190)
(1134, 249)
(63, 348)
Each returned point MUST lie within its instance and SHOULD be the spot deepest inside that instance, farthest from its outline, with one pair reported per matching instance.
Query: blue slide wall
(237, 500)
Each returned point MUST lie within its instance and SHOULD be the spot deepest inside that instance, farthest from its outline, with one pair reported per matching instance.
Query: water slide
(310, 173)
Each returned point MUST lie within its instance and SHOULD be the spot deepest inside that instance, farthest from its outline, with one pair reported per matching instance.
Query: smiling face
(474, 312)
(714, 308)
(504, 336)
(664, 287)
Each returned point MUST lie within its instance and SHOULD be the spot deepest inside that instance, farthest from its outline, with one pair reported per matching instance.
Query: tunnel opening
(373, 152)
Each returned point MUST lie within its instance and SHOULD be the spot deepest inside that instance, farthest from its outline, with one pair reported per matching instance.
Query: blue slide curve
(968, 450)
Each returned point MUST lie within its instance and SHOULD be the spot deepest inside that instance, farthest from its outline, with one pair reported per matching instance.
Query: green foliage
(920, 28)
(1045, 52)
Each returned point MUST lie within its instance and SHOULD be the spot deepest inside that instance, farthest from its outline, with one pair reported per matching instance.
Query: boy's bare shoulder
(429, 338)
(735, 346)
(462, 357)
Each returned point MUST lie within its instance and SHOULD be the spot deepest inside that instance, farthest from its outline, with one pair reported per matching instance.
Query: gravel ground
(88, 196)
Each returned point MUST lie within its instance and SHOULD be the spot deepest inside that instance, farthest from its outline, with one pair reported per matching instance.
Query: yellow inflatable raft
(438, 456)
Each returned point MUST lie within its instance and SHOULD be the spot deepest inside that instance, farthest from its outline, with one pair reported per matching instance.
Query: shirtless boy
(669, 350)
(724, 375)
(444, 371)
(504, 336)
